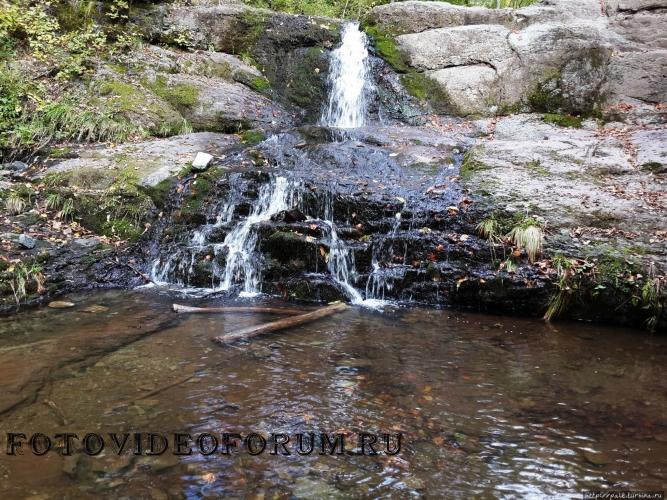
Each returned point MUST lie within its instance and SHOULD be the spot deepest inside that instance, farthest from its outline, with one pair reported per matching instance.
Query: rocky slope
(238, 76)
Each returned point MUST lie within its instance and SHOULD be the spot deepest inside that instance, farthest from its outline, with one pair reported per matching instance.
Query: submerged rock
(60, 304)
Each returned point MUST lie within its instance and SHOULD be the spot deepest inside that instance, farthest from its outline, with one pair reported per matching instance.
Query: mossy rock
(386, 47)
(547, 96)
(141, 106)
(305, 84)
(563, 120)
(427, 91)
(179, 95)
(470, 167)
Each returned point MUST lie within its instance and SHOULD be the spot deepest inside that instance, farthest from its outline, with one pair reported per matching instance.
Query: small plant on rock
(528, 235)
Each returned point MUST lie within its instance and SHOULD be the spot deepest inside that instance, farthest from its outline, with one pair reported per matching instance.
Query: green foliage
(565, 272)
(68, 119)
(18, 199)
(489, 229)
(563, 120)
(23, 277)
(653, 301)
(70, 52)
(15, 205)
(62, 205)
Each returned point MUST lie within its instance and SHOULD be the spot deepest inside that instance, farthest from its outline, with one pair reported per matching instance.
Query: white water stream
(349, 81)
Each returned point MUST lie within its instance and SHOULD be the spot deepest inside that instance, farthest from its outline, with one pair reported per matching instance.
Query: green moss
(199, 192)
(252, 26)
(160, 192)
(547, 97)
(285, 237)
(259, 83)
(427, 90)
(252, 137)
(121, 228)
(470, 167)
(653, 166)
(385, 45)
(563, 120)
(60, 152)
(121, 69)
(536, 167)
(126, 96)
(179, 95)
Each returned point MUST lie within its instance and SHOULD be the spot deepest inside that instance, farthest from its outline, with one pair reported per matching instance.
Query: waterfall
(381, 279)
(237, 259)
(348, 81)
(241, 242)
(238, 251)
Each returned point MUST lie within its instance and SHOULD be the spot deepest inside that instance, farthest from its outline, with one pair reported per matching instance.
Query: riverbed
(486, 405)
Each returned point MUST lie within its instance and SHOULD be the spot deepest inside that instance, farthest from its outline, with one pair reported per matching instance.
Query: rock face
(169, 91)
(291, 51)
(559, 56)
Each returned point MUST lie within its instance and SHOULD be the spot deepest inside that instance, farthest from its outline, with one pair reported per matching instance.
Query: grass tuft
(528, 235)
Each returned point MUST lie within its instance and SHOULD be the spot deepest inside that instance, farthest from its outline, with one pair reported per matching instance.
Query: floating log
(280, 324)
(237, 309)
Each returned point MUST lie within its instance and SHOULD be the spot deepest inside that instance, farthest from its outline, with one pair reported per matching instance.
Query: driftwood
(280, 324)
(237, 309)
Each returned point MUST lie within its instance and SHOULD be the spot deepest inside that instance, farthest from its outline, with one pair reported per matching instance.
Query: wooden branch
(281, 324)
(237, 309)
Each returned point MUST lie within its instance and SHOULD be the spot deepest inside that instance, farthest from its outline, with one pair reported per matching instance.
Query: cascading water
(242, 261)
(241, 242)
(380, 280)
(349, 81)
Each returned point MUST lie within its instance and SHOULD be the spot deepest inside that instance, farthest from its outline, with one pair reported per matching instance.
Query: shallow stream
(488, 406)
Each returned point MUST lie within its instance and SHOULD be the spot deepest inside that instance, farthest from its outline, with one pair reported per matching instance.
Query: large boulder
(416, 16)
(217, 105)
(640, 75)
(558, 56)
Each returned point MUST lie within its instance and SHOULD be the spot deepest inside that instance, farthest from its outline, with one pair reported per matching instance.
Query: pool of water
(487, 406)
